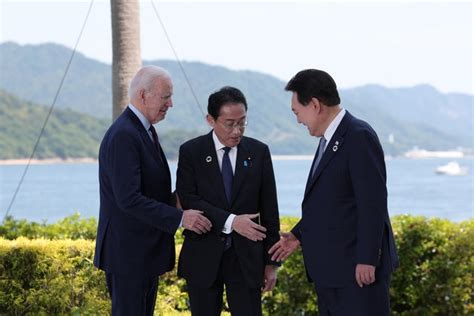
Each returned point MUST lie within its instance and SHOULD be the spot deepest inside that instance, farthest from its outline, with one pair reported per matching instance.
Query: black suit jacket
(200, 186)
(344, 211)
(136, 221)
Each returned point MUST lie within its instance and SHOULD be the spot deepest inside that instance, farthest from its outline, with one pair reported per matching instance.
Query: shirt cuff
(228, 224)
(181, 221)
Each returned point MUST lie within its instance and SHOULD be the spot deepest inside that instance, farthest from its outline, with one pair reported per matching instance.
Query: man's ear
(315, 103)
(142, 95)
(210, 120)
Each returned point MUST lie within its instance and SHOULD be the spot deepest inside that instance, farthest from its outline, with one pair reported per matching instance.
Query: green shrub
(293, 294)
(436, 267)
(71, 227)
(43, 277)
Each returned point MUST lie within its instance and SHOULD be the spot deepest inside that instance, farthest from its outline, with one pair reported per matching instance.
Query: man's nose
(236, 131)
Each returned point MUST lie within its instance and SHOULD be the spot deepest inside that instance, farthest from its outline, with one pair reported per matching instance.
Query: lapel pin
(334, 148)
(248, 162)
(208, 159)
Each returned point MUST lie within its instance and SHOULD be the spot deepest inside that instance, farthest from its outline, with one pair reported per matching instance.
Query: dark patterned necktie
(156, 142)
(154, 135)
(227, 177)
(227, 174)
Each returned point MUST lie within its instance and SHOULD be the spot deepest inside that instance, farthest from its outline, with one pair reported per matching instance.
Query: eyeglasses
(228, 125)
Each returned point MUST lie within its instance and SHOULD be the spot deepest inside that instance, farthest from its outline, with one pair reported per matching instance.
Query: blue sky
(395, 44)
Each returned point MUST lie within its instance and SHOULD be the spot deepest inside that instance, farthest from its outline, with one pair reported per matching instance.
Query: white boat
(452, 168)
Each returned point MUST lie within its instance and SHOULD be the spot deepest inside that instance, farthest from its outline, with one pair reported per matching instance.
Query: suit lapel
(158, 156)
(308, 181)
(332, 148)
(242, 164)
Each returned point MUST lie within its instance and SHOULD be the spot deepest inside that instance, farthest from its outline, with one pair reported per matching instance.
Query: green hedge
(41, 276)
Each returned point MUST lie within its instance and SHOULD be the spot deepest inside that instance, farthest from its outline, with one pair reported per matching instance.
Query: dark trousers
(370, 300)
(134, 296)
(242, 300)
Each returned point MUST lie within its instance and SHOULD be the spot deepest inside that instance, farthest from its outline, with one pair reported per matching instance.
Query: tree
(126, 58)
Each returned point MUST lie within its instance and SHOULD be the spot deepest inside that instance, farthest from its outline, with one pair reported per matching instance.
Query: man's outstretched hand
(284, 247)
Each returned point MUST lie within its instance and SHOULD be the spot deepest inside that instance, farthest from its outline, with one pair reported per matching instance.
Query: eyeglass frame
(240, 125)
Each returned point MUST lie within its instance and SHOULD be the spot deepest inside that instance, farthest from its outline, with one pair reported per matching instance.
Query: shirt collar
(146, 124)
(217, 143)
(333, 126)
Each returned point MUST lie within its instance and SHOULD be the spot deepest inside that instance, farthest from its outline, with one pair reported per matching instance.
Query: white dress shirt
(146, 124)
(333, 126)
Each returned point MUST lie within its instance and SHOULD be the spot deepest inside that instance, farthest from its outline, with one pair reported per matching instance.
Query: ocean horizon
(55, 189)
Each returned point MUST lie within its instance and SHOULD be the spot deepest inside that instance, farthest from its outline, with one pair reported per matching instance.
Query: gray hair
(144, 79)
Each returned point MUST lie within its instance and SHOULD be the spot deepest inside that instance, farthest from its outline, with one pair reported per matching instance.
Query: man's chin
(161, 117)
(235, 142)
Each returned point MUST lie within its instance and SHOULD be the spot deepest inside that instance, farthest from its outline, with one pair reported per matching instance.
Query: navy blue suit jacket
(345, 221)
(200, 186)
(136, 228)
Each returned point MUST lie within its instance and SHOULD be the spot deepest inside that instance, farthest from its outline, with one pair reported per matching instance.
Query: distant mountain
(67, 134)
(421, 107)
(406, 117)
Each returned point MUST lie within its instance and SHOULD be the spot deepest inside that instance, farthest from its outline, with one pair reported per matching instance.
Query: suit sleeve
(123, 162)
(368, 176)
(296, 230)
(186, 187)
(268, 207)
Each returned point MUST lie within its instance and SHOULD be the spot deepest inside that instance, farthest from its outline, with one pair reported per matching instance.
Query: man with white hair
(138, 218)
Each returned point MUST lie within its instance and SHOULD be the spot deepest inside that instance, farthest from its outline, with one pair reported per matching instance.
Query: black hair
(224, 96)
(314, 83)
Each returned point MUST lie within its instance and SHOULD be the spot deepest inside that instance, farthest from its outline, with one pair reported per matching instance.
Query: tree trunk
(126, 58)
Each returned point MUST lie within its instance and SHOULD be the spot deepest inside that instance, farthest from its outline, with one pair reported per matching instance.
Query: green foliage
(293, 294)
(171, 140)
(436, 267)
(67, 134)
(57, 276)
(40, 277)
(71, 227)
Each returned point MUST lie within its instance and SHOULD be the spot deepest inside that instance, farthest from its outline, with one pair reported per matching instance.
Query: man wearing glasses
(230, 178)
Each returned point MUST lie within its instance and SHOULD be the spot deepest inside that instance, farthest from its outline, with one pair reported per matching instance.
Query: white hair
(144, 79)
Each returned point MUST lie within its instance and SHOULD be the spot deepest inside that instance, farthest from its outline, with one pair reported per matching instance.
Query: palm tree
(126, 58)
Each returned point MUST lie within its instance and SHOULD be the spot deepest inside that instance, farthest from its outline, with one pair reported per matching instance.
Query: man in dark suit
(230, 178)
(137, 220)
(345, 231)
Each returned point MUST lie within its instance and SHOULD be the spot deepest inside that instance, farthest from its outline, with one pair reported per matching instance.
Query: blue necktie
(227, 174)
(322, 144)
(227, 177)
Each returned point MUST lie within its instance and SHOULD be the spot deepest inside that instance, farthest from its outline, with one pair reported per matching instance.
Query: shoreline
(24, 161)
(89, 160)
